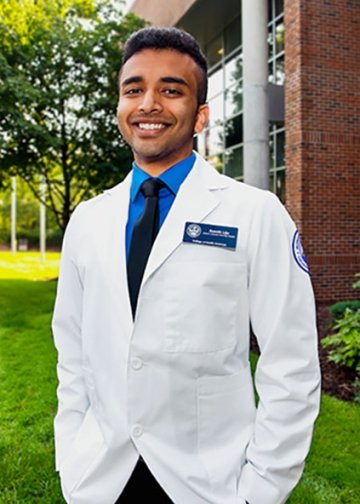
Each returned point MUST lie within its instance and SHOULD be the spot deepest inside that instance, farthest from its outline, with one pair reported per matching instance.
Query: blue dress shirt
(173, 178)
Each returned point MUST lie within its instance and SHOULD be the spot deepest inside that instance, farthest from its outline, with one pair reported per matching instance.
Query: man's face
(158, 111)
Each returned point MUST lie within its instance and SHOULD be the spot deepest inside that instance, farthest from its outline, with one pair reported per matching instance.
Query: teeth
(149, 126)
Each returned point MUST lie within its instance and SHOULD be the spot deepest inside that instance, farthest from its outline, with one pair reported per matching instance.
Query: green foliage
(338, 309)
(345, 342)
(356, 284)
(356, 386)
(58, 94)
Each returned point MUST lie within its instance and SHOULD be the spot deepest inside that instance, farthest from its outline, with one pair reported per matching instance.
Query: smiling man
(160, 279)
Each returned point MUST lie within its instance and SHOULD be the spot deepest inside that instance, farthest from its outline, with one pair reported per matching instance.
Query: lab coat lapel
(120, 196)
(195, 200)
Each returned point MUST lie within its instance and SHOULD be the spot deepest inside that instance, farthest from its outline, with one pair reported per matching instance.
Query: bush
(338, 309)
(345, 342)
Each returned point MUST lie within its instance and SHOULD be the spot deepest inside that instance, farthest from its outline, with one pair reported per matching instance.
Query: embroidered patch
(298, 252)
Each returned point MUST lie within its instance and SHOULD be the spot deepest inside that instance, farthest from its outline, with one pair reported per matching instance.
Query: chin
(150, 154)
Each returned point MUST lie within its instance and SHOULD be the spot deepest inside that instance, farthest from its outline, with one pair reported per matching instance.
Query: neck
(158, 166)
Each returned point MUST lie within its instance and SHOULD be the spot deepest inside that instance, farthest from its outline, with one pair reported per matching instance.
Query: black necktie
(143, 237)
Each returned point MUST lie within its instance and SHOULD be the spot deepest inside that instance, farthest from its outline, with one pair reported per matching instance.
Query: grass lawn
(28, 265)
(28, 405)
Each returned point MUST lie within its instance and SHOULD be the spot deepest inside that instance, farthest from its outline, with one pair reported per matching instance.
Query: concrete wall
(161, 12)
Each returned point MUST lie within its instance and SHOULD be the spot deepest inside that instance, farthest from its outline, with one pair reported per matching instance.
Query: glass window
(280, 148)
(271, 77)
(215, 83)
(272, 181)
(280, 185)
(214, 140)
(233, 100)
(270, 41)
(272, 150)
(234, 162)
(232, 35)
(234, 131)
(217, 161)
(214, 51)
(279, 7)
(233, 70)
(280, 70)
(200, 144)
(216, 110)
(279, 37)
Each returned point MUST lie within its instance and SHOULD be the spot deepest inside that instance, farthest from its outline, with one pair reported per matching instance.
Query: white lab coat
(175, 385)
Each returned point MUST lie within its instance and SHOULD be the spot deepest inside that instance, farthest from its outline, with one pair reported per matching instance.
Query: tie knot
(151, 187)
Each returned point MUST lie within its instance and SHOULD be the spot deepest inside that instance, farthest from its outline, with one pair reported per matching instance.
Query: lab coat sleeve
(287, 379)
(66, 325)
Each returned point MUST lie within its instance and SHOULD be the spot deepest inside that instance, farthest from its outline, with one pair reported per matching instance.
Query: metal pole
(13, 215)
(255, 94)
(42, 219)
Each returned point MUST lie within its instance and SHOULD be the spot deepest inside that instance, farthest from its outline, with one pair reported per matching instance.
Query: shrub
(344, 343)
(339, 308)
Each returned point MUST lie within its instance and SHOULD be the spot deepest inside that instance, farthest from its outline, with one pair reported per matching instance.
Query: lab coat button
(137, 430)
(136, 363)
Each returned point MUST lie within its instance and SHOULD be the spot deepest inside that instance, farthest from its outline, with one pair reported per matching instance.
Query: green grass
(28, 265)
(27, 393)
(28, 405)
(332, 473)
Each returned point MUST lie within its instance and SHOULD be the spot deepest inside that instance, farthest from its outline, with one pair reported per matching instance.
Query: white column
(255, 110)
(13, 215)
(42, 219)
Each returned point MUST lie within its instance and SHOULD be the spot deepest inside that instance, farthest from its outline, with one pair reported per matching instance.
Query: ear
(202, 118)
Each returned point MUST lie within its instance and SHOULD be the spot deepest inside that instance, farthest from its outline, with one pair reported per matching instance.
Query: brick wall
(322, 120)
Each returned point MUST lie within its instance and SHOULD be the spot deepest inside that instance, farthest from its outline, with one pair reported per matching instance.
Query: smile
(151, 126)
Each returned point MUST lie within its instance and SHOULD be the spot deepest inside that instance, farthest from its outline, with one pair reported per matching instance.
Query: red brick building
(322, 120)
(313, 92)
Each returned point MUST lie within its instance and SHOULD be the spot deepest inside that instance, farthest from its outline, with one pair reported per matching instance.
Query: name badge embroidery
(210, 234)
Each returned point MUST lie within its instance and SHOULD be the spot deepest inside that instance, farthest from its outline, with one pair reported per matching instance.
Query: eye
(172, 92)
(132, 91)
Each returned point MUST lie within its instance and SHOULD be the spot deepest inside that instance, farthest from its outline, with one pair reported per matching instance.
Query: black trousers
(142, 487)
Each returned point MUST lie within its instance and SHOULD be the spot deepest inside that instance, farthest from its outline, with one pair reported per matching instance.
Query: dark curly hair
(169, 38)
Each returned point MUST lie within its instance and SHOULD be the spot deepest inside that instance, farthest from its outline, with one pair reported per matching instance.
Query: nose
(150, 103)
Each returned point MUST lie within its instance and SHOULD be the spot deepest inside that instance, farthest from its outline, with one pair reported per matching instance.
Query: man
(160, 279)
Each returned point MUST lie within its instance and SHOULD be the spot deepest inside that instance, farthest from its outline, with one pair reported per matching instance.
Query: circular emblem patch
(298, 253)
(193, 230)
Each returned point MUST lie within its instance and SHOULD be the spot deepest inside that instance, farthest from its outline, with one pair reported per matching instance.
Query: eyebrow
(174, 80)
(131, 80)
(168, 80)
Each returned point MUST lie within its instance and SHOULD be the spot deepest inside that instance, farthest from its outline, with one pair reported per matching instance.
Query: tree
(58, 93)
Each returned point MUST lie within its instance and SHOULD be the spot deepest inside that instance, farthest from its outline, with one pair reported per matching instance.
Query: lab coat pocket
(202, 302)
(226, 412)
(86, 448)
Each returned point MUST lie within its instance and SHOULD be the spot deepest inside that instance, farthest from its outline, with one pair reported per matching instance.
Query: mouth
(149, 129)
(151, 126)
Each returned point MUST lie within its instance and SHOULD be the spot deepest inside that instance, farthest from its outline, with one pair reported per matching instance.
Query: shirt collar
(173, 177)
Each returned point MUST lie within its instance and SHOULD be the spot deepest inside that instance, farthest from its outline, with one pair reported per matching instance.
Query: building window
(222, 141)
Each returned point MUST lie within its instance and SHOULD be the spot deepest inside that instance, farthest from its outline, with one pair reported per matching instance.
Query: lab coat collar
(194, 201)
